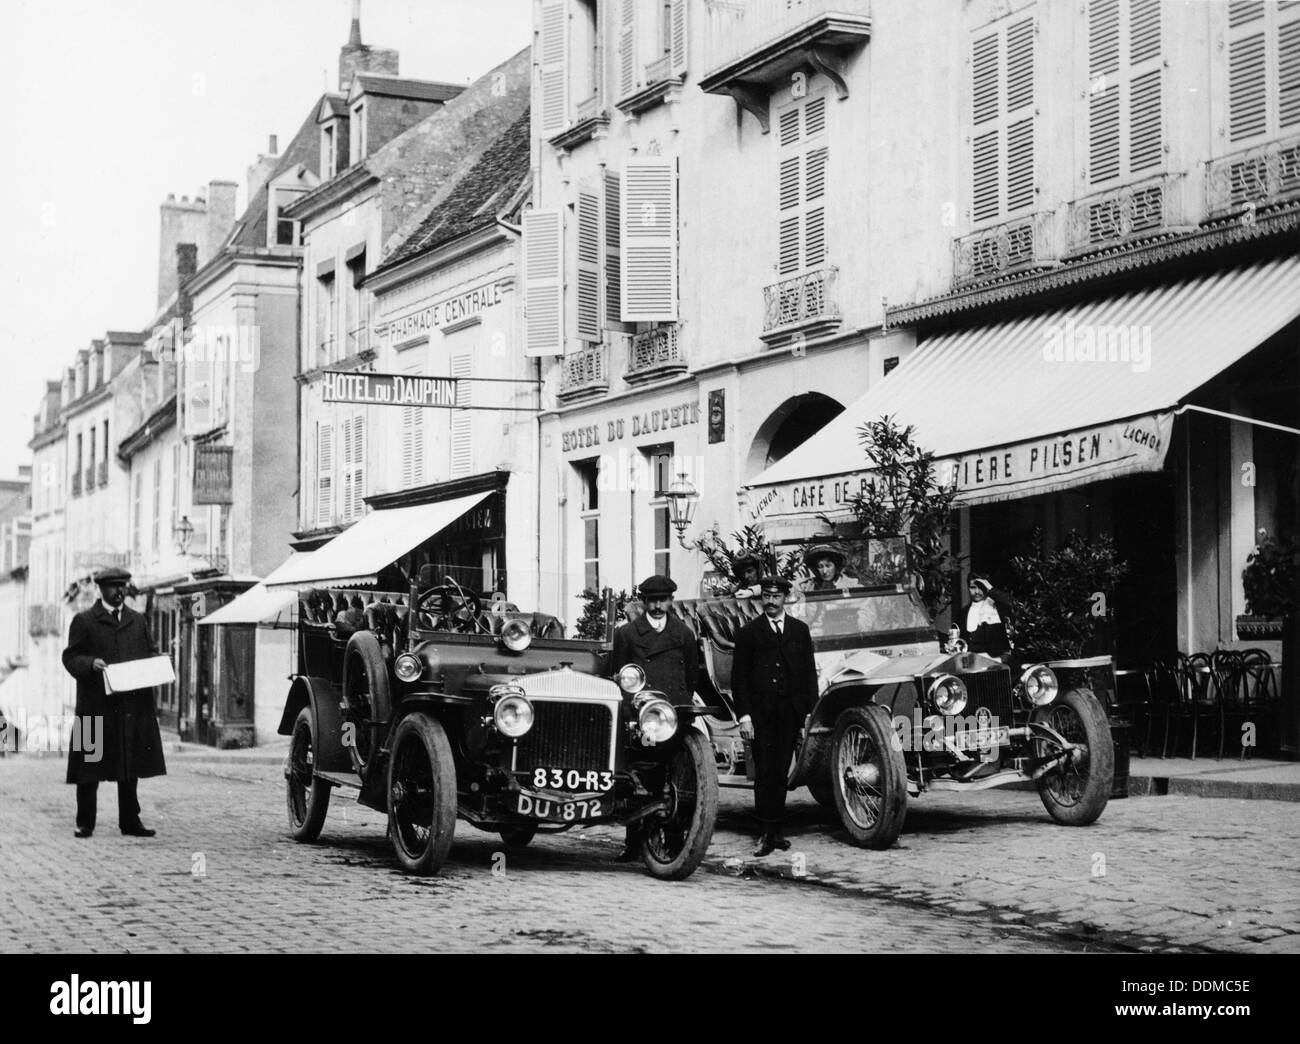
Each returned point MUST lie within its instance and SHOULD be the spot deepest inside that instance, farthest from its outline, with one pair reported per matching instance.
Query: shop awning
(1047, 402)
(259, 603)
(355, 556)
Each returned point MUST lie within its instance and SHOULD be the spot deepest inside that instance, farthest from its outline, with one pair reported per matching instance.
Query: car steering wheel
(468, 600)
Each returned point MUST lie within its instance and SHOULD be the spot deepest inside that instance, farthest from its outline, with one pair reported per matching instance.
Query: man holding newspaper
(108, 634)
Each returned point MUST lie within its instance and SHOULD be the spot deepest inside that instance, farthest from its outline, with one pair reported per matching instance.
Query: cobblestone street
(986, 876)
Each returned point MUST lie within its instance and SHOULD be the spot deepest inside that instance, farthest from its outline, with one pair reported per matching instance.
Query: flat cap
(112, 575)
(656, 587)
(775, 583)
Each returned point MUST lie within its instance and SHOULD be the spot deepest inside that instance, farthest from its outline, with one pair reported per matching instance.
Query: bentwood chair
(1133, 696)
(1226, 679)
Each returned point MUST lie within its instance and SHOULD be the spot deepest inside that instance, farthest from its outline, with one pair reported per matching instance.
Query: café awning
(259, 603)
(1045, 402)
(355, 556)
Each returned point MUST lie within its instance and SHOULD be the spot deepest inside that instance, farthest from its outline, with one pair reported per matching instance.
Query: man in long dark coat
(666, 650)
(130, 746)
(774, 684)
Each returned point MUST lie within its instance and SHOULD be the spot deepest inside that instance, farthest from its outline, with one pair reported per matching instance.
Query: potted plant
(592, 623)
(747, 542)
(1270, 577)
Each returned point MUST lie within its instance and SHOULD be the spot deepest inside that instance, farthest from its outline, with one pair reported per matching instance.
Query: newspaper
(130, 675)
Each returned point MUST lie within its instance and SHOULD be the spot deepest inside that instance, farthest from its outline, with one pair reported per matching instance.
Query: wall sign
(213, 474)
(645, 422)
(390, 389)
(444, 313)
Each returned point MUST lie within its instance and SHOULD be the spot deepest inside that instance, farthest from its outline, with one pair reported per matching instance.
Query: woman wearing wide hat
(827, 565)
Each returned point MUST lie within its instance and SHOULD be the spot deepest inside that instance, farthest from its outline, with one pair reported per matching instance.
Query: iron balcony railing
(804, 300)
(1002, 249)
(656, 352)
(1119, 215)
(585, 370)
(1257, 177)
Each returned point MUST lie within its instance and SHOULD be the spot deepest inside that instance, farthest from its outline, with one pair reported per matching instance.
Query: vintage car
(899, 715)
(434, 709)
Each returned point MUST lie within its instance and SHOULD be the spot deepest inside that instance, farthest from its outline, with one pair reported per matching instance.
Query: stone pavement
(222, 876)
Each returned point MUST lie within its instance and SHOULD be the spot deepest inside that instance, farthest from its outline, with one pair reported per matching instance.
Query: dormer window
(328, 154)
(281, 193)
(357, 137)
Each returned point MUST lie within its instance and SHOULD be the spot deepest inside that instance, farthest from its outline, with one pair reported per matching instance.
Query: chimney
(355, 57)
(260, 172)
(179, 222)
(221, 217)
(187, 263)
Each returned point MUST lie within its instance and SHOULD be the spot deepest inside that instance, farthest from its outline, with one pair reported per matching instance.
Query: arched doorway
(789, 425)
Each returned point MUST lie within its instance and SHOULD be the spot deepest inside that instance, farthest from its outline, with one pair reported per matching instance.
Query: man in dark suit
(774, 684)
(112, 632)
(669, 653)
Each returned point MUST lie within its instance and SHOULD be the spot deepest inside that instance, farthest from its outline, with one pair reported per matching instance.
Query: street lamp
(682, 500)
(183, 534)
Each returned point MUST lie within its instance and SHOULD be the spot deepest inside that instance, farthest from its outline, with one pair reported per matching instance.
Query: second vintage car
(435, 709)
(898, 715)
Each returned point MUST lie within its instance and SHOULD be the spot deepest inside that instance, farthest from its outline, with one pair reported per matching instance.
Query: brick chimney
(355, 57)
(187, 263)
(260, 171)
(182, 222)
(221, 218)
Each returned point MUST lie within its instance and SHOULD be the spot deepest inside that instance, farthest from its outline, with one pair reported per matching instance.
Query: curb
(1199, 786)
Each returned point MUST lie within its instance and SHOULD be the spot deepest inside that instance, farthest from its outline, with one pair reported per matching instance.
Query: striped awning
(1045, 402)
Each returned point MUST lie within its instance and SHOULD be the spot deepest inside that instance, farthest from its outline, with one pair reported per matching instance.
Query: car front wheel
(307, 798)
(421, 794)
(674, 841)
(869, 777)
(1076, 791)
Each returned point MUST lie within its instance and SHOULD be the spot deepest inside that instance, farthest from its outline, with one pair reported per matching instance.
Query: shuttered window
(649, 240)
(543, 286)
(802, 156)
(352, 439)
(588, 276)
(553, 70)
(613, 249)
(1125, 105)
(413, 444)
(626, 47)
(1263, 70)
(1003, 126)
(462, 449)
(324, 473)
(677, 35)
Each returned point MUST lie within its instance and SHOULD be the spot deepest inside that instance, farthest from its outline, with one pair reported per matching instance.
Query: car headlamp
(408, 667)
(947, 694)
(512, 711)
(657, 720)
(631, 679)
(516, 635)
(1039, 684)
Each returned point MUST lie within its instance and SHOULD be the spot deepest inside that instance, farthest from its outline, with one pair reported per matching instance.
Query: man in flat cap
(669, 653)
(112, 632)
(774, 684)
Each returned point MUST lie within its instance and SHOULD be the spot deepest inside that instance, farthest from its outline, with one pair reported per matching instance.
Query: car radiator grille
(566, 736)
(991, 689)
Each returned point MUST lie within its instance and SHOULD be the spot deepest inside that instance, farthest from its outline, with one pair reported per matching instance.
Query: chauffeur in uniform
(774, 684)
(667, 650)
(112, 632)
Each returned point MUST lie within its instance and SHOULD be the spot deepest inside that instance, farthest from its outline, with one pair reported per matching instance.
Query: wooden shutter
(613, 249)
(345, 448)
(801, 187)
(627, 48)
(588, 310)
(413, 439)
(1002, 118)
(358, 464)
(543, 285)
(554, 66)
(677, 45)
(462, 449)
(649, 236)
(324, 473)
(1263, 69)
(1125, 108)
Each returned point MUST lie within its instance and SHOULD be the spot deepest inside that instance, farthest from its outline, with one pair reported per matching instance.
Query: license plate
(573, 780)
(552, 810)
(982, 739)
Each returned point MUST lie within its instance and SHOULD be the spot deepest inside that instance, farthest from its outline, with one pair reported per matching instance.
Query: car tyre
(673, 845)
(421, 794)
(868, 776)
(823, 793)
(1075, 794)
(366, 697)
(306, 797)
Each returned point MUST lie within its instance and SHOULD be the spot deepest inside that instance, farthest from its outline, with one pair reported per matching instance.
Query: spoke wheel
(421, 794)
(674, 841)
(1076, 791)
(366, 698)
(869, 778)
(306, 797)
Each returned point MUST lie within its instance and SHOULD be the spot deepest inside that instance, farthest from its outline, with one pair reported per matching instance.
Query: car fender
(323, 698)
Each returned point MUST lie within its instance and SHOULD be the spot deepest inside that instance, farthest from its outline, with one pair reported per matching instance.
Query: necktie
(776, 626)
(117, 616)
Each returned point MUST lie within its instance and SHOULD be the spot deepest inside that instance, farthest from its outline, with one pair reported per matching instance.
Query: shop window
(660, 461)
(587, 472)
